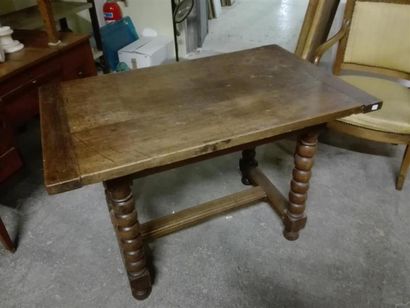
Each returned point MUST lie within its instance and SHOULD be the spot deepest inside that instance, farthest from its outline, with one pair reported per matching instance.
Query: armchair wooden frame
(339, 66)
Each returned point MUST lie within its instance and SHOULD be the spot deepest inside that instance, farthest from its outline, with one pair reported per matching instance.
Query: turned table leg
(121, 204)
(245, 163)
(295, 218)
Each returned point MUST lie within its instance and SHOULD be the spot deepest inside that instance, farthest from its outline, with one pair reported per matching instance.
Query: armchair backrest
(378, 40)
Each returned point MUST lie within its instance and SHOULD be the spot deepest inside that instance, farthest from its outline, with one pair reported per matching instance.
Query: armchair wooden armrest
(329, 43)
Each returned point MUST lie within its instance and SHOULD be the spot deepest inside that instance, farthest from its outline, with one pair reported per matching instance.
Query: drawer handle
(80, 74)
(29, 84)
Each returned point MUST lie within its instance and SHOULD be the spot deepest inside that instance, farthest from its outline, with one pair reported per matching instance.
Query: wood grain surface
(125, 123)
(61, 168)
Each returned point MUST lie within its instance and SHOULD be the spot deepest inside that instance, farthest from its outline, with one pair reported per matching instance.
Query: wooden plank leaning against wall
(46, 12)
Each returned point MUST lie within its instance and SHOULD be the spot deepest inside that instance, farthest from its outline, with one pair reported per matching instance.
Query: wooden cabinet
(24, 72)
(19, 95)
(78, 63)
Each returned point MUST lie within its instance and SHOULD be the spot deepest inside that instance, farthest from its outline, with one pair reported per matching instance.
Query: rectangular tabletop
(109, 126)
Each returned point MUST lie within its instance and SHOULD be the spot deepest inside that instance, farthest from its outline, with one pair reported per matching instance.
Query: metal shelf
(30, 18)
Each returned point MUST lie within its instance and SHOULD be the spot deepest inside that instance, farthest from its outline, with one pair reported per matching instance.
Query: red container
(112, 11)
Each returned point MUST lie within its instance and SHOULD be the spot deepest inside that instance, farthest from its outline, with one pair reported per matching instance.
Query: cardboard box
(147, 51)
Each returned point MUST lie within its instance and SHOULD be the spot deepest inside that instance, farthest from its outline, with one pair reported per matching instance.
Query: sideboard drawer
(78, 62)
(20, 103)
(35, 72)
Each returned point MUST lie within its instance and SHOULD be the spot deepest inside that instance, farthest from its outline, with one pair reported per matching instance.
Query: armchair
(374, 54)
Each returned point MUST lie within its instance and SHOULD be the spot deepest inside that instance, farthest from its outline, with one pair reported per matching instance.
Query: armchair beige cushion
(380, 35)
(394, 116)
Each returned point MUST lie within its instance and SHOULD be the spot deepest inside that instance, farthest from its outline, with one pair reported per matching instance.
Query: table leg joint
(273, 196)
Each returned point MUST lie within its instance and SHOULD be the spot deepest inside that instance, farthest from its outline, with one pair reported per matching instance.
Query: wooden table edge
(203, 152)
(56, 135)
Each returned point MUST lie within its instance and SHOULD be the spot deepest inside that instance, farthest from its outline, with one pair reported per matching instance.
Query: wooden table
(116, 127)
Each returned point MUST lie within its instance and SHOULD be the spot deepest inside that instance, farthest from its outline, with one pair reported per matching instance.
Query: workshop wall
(156, 14)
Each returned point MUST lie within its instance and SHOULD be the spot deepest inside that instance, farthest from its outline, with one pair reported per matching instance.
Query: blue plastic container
(115, 36)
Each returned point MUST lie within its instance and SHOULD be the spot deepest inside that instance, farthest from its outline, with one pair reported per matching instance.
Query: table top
(104, 127)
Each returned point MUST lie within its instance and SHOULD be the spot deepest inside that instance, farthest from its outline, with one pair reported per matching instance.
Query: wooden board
(125, 123)
(46, 12)
(195, 215)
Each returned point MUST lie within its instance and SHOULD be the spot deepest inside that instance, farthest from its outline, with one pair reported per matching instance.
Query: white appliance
(147, 51)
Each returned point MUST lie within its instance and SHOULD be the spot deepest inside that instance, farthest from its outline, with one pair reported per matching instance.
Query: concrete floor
(253, 23)
(354, 252)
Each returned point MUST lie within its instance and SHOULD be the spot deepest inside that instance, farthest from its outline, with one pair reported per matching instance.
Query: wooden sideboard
(24, 72)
